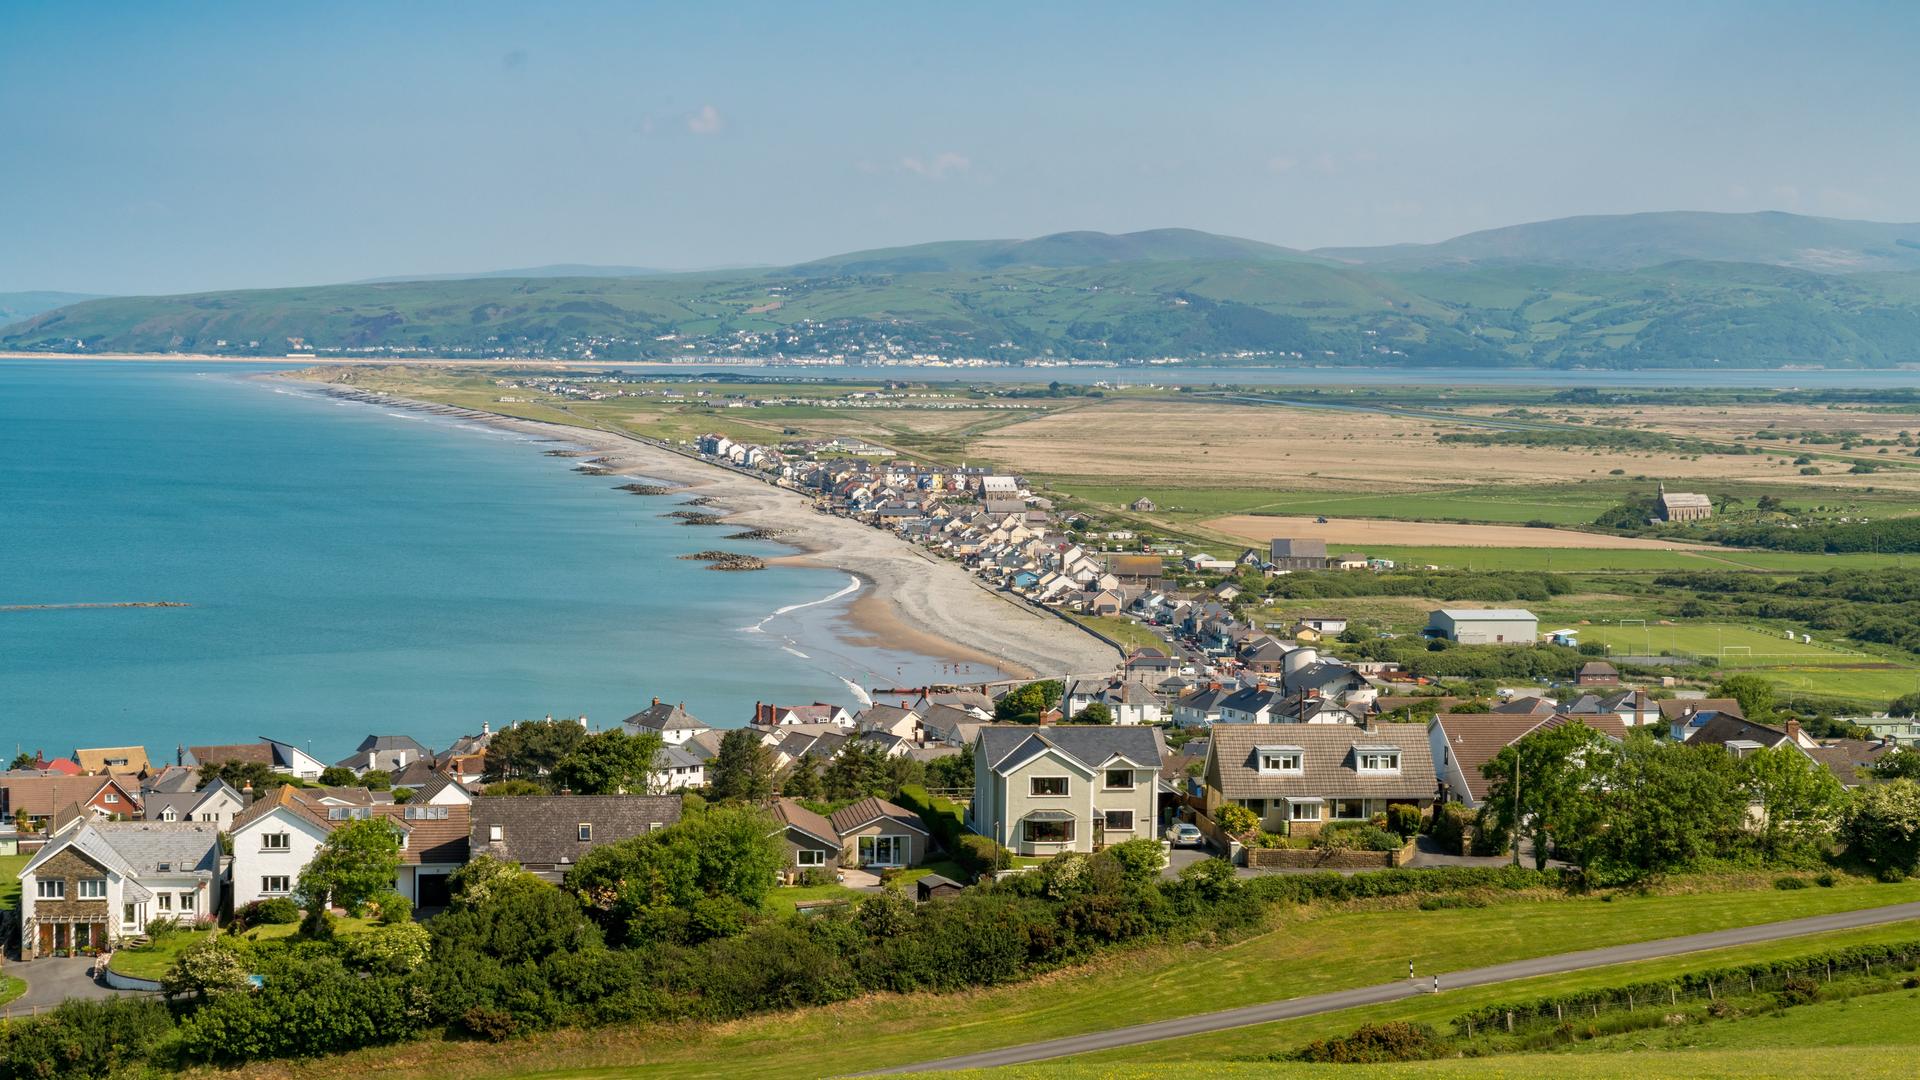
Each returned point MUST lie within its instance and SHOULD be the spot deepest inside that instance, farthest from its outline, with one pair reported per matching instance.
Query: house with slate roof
(276, 837)
(547, 834)
(1303, 776)
(100, 882)
(1044, 790)
(217, 803)
(673, 723)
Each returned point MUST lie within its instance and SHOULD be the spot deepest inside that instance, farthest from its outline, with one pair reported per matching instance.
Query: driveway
(53, 980)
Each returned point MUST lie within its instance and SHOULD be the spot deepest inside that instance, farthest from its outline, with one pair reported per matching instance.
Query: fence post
(1710, 994)
(1629, 1001)
(1509, 1021)
(1829, 971)
(1673, 996)
(1750, 987)
(1559, 1014)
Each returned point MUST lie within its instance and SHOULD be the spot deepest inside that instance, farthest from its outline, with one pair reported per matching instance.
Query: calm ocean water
(352, 571)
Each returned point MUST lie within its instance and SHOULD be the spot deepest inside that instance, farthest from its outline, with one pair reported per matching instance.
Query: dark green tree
(1024, 704)
(609, 762)
(692, 880)
(531, 749)
(859, 770)
(358, 862)
(801, 780)
(239, 774)
(1668, 806)
(742, 769)
(1756, 696)
(1560, 771)
(1094, 713)
(338, 776)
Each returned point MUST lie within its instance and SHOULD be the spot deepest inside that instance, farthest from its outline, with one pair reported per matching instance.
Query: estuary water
(351, 570)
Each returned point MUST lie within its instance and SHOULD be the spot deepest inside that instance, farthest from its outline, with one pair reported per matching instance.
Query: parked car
(1183, 834)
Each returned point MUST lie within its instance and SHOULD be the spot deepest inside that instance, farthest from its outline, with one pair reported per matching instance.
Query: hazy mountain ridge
(1163, 293)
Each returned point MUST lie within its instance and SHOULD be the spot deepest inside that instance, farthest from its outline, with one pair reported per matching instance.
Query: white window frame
(189, 901)
(267, 885)
(1065, 792)
(1280, 761)
(1294, 810)
(276, 841)
(1028, 825)
(163, 902)
(807, 857)
(1362, 816)
(1377, 761)
(495, 834)
(1107, 784)
(50, 889)
(169, 815)
(129, 916)
(1107, 825)
(584, 831)
(109, 798)
(88, 887)
(897, 847)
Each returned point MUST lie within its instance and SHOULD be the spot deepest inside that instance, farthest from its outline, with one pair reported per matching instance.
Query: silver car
(1182, 834)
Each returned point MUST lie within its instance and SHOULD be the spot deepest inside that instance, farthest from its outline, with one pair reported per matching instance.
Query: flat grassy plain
(1307, 950)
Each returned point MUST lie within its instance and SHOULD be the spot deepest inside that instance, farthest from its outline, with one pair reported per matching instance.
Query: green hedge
(1694, 982)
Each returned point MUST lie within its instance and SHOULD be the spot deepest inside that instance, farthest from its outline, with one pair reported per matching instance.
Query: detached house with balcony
(1044, 790)
(1301, 777)
(99, 882)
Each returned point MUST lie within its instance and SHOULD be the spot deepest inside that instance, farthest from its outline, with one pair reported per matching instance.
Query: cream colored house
(1044, 790)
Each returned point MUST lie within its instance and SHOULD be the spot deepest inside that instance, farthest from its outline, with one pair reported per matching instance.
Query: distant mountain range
(19, 305)
(1640, 290)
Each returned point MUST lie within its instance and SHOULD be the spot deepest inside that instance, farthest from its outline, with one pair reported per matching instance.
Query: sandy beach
(910, 600)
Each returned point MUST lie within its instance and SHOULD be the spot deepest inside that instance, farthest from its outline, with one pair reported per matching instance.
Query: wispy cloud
(706, 120)
(938, 166)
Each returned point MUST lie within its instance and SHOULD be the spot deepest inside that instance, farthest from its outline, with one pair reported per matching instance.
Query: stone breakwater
(645, 489)
(695, 517)
(759, 534)
(727, 560)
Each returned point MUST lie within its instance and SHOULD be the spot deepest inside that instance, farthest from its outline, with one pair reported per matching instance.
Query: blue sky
(159, 147)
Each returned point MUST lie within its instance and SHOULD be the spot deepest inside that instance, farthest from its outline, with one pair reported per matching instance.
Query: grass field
(1577, 560)
(1125, 631)
(1308, 950)
(1733, 645)
(151, 961)
(10, 867)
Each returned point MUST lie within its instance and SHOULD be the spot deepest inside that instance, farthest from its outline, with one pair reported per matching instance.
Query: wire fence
(1539, 1017)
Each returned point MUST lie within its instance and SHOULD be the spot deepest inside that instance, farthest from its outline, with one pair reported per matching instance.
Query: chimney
(486, 727)
(179, 754)
(1793, 730)
(656, 699)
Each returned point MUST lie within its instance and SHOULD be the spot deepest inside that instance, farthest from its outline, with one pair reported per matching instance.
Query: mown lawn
(152, 960)
(10, 867)
(1309, 950)
(11, 988)
(1125, 631)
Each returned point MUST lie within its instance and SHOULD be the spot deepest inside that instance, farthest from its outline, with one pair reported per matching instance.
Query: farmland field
(1736, 646)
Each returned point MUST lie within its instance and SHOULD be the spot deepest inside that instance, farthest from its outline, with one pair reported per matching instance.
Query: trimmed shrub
(1449, 826)
(1392, 1040)
(1787, 884)
(980, 855)
(277, 911)
(84, 1039)
(1403, 819)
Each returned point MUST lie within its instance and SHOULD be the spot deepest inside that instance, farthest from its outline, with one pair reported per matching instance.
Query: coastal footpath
(914, 601)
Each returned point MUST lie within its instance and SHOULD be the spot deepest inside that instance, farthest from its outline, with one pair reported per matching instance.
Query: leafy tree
(239, 774)
(1799, 796)
(1755, 694)
(472, 884)
(1900, 763)
(358, 862)
(1668, 805)
(531, 749)
(609, 762)
(338, 776)
(683, 882)
(801, 780)
(1560, 771)
(514, 787)
(210, 966)
(1025, 704)
(1904, 705)
(1882, 828)
(743, 767)
(376, 780)
(1236, 819)
(952, 771)
(1095, 713)
(22, 761)
(859, 770)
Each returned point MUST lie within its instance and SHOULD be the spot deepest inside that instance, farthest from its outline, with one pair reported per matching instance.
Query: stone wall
(1311, 859)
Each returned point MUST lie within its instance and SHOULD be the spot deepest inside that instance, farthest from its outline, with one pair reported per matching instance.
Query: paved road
(52, 980)
(1373, 995)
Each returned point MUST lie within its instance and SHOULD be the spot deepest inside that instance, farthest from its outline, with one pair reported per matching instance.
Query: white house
(95, 884)
(280, 834)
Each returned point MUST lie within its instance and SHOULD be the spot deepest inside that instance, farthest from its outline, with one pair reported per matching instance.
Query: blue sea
(354, 570)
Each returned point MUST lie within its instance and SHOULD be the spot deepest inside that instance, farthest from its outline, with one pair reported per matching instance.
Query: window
(109, 798)
(51, 890)
(1349, 809)
(1049, 832)
(168, 815)
(1119, 780)
(94, 888)
(1258, 806)
(1119, 820)
(129, 915)
(586, 830)
(1303, 811)
(1280, 760)
(274, 885)
(494, 833)
(1047, 786)
(883, 850)
(1378, 760)
(809, 857)
(163, 901)
(188, 901)
(276, 841)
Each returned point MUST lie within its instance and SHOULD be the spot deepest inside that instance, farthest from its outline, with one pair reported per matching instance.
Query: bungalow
(1303, 777)
(1739, 736)
(547, 834)
(1460, 743)
(1598, 673)
(817, 713)
(1686, 715)
(37, 797)
(387, 753)
(1633, 707)
(277, 754)
(1251, 705)
(1323, 624)
(1042, 791)
(101, 882)
(1128, 701)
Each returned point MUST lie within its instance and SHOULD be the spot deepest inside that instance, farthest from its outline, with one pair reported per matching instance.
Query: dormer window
(1281, 759)
(1380, 759)
(168, 814)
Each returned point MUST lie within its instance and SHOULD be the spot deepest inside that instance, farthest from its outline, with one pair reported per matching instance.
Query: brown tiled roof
(250, 752)
(794, 816)
(46, 794)
(869, 810)
(1477, 738)
(1328, 771)
(1608, 724)
(1675, 708)
(1845, 758)
(435, 839)
(96, 760)
(287, 796)
(1531, 705)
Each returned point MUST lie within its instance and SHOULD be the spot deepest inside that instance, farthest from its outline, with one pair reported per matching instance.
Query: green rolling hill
(1166, 293)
